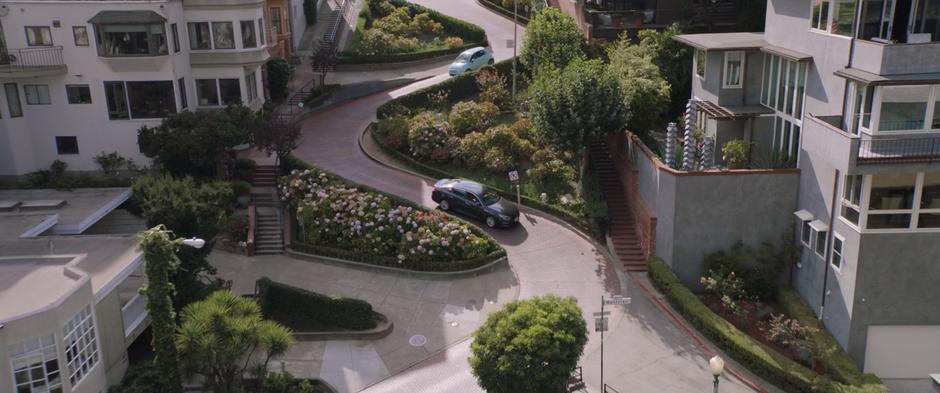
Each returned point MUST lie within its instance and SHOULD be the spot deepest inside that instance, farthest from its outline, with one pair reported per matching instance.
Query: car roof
(469, 186)
(472, 50)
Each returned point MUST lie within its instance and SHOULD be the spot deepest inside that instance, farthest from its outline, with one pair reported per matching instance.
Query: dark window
(207, 92)
(80, 33)
(151, 100)
(262, 33)
(230, 90)
(38, 36)
(199, 37)
(183, 102)
(37, 94)
(248, 34)
(116, 98)
(13, 99)
(223, 35)
(276, 19)
(78, 94)
(131, 40)
(66, 144)
(176, 37)
(252, 85)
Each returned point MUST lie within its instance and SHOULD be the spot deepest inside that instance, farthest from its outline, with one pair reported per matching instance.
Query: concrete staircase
(622, 227)
(269, 238)
(265, 176)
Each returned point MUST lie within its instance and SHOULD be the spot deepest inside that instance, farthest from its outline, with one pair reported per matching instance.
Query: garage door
(903, 351)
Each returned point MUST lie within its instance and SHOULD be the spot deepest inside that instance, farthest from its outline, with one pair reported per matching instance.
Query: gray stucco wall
(657, 189)
(111, 325)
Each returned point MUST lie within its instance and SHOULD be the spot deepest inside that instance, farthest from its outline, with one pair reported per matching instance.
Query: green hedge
(496, 6)
(302, 305)
(460, 87)
(755, 356)
(291, 163)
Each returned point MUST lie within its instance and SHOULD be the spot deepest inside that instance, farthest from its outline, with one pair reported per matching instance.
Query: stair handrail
(250, 241)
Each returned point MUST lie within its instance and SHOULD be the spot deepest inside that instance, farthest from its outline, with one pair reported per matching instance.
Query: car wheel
(491, 62)
(490, 222)
(445, 205)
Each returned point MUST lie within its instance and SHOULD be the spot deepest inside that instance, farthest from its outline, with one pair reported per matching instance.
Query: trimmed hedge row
(757, 357)
(493, 5)
(291, 163)
(568, 216)
(300, 304)
(472, 34)
(460, 87)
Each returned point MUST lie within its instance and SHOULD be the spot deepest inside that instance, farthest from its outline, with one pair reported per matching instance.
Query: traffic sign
(602, 313)
(600, 324)
(510, 43)
(619, 300)
(513, 175)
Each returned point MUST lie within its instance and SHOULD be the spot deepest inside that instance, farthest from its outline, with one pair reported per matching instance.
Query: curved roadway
(645, 350)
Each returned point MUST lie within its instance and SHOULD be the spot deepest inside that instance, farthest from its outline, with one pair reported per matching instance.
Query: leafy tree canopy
(575, 105)
(674, 60)
(530, 346)
(645, 92)
(552, 38)
(190, 143)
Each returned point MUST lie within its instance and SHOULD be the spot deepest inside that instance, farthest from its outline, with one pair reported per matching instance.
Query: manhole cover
(417, 340)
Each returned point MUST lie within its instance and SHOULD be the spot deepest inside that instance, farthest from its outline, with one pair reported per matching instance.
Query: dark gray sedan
(476, 200)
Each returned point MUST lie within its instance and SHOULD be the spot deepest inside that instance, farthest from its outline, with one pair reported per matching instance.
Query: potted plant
(734, 153)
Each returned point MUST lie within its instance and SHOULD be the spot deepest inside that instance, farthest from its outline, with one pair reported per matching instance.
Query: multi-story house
(80, 78)
(69, 301)
(608, 19)
(849, 92)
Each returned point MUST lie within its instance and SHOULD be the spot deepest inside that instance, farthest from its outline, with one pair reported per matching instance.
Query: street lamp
(717, 365)
(194, 242)
(515, 44)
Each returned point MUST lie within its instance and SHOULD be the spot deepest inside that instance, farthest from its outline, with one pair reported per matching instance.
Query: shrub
(281, 301)
(552, 40)
(471, 149)
(113, 162)
(595, 205)
(468, 116)
(427, 137)
(791, 333)
(245, 169)
(186, 207)
(734, 152)
(58, 167)
(497, 160)
(492, 86)
(730, 289)
(278, 76)
(393, 131)
(758, 268)
(551, 172)
(453, 42)
(237, 227)
(241, 188)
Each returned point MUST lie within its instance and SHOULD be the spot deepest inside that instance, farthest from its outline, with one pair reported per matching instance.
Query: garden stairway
(264, 176)
(622, 228)
(269, 238)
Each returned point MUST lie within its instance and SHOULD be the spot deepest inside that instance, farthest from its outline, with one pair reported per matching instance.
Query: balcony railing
(892, 151)
(28, 59)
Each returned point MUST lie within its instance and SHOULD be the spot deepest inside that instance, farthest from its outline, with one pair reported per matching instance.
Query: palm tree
(223, 337)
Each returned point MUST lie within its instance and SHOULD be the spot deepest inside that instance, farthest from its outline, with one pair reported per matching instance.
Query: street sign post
(514, 178)
(600, 323)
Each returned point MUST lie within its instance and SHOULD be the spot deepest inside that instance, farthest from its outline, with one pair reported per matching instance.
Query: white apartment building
(81, 77)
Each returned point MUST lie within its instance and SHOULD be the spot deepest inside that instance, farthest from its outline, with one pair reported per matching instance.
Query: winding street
(645, 350)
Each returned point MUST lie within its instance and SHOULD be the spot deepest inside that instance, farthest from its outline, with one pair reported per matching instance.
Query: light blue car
(470, 60)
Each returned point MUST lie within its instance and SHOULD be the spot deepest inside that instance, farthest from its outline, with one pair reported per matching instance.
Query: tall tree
(573, 106)
(160, 260)
(191, 143)
(224, 336)
(645, 92)
(277, 136)
(552, 39)
(674, 60)
(530, 346)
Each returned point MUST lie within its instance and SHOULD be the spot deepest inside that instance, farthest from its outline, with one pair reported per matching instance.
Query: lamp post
(716, 364)
(515, 44)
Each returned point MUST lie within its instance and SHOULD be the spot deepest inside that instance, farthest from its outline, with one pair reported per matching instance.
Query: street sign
(602, 313)
(510, 43)
(513, 175)
(600, 324)
(619, 300)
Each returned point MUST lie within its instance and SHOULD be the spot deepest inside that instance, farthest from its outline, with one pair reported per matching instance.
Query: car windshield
(463, 58)
(489, 197)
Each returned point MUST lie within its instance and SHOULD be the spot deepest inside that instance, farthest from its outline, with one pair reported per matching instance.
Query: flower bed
(391, 31)
(337, 219)
(757, 357)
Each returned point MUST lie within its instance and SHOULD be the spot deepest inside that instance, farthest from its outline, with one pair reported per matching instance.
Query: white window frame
(877, 98)
(43, 346)
(819, 229)
(80, 330)
(724, 79)
(37, 88)
(704, 63)
(833, 253)
(805, 218)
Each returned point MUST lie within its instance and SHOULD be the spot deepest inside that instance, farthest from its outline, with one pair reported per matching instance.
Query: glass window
(700, 59)
(80, 34)
(38, 36)
(821, 243)
(734, 63)
(116, 98)
(13, 99)
(935, 122)
(182, 86)
(903, 107)
(774, 74)
(66, 144)
(35, 366)
(230, 91)
(851, 198)
(927, 18)
(37, 94)
(252, 85)
(248, 34)
(837, 245)
(820, 15)
(222, 35)
(843, 17)
(207, 92)
(262, 33)
(199, 37)
(81, 345)
(861, 119)
(276, 20)
(176, 37)
(151, 99)
(800, 90)
(78, 94)
(764, 82)
(131, 40)
(892, 191)
(930, 201)
(806, 233)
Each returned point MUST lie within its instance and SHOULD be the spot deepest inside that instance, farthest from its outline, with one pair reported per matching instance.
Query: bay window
(116, 40)
(230, 91)
(207, 92)
(903, 107)
(889, 21)
(892, 201)
(223, 37)
(248, 34)
(215, 92)
(893, 108)
(199, 36)
(35, 366)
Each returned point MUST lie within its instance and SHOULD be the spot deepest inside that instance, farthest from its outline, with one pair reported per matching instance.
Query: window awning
(819, 226)
(803, 215)
(869, 78)
(126, 17)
